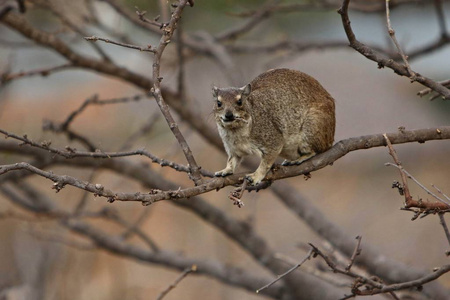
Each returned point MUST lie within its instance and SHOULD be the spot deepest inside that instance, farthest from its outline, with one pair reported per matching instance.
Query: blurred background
(355, 193)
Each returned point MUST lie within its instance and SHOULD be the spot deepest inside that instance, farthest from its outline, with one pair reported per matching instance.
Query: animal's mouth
(228, 120)
(234, 119)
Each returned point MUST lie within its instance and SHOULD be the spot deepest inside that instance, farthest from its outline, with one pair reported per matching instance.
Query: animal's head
(231, 108)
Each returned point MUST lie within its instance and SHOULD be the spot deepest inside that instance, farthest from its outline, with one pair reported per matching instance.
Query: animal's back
(287, 100)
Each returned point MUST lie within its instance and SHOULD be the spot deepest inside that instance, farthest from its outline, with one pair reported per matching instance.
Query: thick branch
(318, 162)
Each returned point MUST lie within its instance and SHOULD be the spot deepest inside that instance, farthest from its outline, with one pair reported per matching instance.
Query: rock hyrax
(281, 112)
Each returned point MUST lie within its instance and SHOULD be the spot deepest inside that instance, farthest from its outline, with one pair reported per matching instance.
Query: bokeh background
(355, 193)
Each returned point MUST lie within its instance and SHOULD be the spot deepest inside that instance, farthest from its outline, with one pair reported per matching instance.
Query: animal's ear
(215, 91)
(246, 90)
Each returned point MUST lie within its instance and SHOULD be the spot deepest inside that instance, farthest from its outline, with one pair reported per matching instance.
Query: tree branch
(168, 31)
(108, 41)
(183, 275)
(278, 172)
(385, 62)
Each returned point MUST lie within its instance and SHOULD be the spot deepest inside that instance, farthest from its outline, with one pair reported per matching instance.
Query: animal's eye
(239, 102)
(219, 104)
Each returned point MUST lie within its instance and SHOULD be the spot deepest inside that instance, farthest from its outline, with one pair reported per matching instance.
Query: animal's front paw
(223, 173)
(254, 179)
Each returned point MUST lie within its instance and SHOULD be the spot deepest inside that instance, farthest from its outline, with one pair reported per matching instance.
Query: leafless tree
(32, 166)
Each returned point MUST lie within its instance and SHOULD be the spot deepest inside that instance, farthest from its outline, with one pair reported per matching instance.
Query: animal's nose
(229, 115)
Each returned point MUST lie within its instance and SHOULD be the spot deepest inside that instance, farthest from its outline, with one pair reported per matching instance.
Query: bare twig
(183, 275)
(7, 77)
(441, 17)
(382, 61)
(437, 272)
(95, 101)
(444, 226)
(131, 228)
(156, 90)
(60, 239)
(443, 201)
(236, 195)
(440, 192)
(356, 252)
(424, 92)
(70, 152)
(317, 272)
(144, 129)
(84, 198)
(324, 5)
(412, 74)
(148, 48)
(409, 202)
(141, 15)
(135, 225)
(255, 19)
(336, 269)
(371, 286)
(307, 257)
(181, 88)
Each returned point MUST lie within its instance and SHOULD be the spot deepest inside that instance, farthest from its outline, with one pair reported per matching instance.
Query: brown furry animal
(281, 112)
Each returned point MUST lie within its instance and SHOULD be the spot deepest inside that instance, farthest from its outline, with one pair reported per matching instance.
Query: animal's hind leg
(304, 152)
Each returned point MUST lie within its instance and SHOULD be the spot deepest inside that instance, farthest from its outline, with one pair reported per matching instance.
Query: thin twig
(420, 185)
(185, 273)
(307, 257)
(84, 198)
(409, 202)
(427, 91)
(412, 74)
(444, 226)
(141, 15)
(256, 18)
(181, 88)
(156, 90)
(440, 192)
(75, 28)
(441, 17)
(144, 129)
(236, 195)
(356, 252)
(143, 49)
(112, 215)
(6, 77)
(58, 238)
(135, 225)
(317, 272)
(70, 153)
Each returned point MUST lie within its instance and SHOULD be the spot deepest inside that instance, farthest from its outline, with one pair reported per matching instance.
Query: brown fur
(281, 112)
